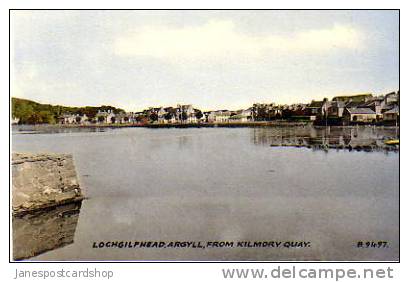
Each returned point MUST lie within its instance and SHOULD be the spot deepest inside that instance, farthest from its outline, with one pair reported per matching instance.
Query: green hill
(30, 112)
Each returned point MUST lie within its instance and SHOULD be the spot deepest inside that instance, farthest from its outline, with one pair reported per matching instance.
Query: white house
(191, 119)
(242, 116)
(105, 117)
(219, 116)
(67, 119)
(161, 112)
(73, 119)
(187, 110)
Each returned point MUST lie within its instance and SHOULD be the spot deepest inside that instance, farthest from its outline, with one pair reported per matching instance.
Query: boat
(392, 142)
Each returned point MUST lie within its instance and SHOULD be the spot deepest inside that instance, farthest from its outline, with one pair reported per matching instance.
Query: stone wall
(41, 181)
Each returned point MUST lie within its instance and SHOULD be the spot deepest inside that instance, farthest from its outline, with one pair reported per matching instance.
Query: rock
(43, 180)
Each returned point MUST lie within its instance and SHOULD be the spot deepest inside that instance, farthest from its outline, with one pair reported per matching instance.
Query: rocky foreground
(41, 181)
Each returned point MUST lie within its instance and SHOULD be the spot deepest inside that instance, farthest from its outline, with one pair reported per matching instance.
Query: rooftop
(315, 104)
(362, 111)
(393, 111)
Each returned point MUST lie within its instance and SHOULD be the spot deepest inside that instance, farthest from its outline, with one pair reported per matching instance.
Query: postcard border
(159, 261)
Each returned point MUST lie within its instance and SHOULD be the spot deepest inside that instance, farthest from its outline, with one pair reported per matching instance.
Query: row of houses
(162, 115)
(362, 108)
(189, 114)
(101, 117)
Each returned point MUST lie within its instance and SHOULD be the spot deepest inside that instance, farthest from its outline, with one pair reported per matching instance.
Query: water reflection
(51, 129)
(321, 138)
(43, 231)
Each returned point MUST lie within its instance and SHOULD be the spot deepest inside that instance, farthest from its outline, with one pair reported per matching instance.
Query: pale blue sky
(212, 59)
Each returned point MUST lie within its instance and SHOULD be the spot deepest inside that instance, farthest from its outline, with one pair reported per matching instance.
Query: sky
(211, 59)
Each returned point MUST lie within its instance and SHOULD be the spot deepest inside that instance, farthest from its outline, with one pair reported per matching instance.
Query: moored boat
(392, 142)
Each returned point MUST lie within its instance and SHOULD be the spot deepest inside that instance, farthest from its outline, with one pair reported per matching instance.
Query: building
(219, 116)
(161, 112)
(336, 109)
(140, 117)
(73, 119)
(242, 115)
(377, 104)
(168, 115)
(186, 114)
(238, 118)
(391, 115)
(124, 118)
(105, 117)
(67, 119)
(314, 109)
(360, 98)
(15, 120)
(359, 115)
(392, 98)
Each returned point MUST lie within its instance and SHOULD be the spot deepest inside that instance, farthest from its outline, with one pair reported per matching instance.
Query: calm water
(226, 184)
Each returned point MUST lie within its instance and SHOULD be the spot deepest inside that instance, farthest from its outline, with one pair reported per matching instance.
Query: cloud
(219, 38)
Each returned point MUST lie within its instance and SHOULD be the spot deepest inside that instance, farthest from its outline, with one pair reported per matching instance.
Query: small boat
(392, 142)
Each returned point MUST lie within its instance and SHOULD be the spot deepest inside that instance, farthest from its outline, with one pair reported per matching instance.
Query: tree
(34, 118)
(286, 114)
(23, 111)
(101, 119)
(198, 114)
(168, 116)
(141, 118)
(90, 112)
(46, 117)
(262, 113)
(153, 116)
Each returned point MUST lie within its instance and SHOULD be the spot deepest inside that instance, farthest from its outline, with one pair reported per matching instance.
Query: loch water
(227, 185)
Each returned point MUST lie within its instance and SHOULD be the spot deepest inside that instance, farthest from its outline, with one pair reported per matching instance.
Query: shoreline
(302, 139)
(201, 125)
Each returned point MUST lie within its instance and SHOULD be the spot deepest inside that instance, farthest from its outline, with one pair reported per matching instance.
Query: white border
(196, 271)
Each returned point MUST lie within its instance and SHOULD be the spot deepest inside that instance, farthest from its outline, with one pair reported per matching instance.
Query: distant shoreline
(195, 125)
